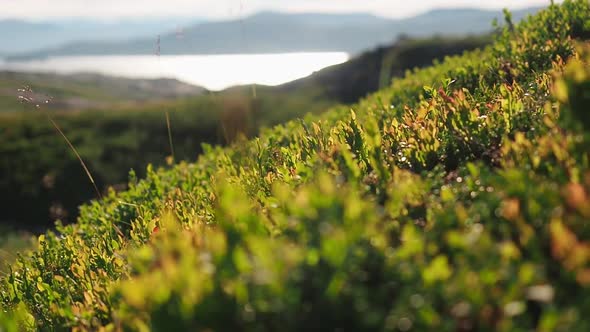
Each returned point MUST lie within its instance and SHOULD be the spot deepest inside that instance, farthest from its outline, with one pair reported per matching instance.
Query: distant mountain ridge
(23, 36)
(275, 32)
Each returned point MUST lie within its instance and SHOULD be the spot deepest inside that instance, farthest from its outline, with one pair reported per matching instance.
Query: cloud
(112, 9)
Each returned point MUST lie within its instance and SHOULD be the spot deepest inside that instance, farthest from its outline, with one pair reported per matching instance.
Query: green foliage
(573, 90)
(456, 199)
(43, 181)
(12, 242)
(18, 319)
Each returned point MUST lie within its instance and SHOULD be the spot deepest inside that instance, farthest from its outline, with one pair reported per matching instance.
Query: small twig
(129, 204)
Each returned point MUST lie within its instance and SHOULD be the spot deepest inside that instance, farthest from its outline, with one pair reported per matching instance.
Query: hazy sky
(111, 9)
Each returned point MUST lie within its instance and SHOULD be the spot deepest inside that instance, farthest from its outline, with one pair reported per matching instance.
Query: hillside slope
(84, 91)
(374, 69)
(41, 180)
(461, 206)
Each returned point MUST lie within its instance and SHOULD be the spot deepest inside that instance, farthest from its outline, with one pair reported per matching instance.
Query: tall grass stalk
(31, 100)
(167, 114)
(88, 174)
(170, 135)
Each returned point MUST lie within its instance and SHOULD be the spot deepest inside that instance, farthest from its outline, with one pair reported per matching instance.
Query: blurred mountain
(23, 36)
(272, 32)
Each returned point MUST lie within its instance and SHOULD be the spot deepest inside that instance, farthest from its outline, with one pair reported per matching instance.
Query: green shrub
(43, 181)
(456, 199)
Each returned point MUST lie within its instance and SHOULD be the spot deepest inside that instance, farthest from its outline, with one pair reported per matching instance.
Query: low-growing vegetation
(455, 200)
(11, 244)
(43, 181)
(84, 91)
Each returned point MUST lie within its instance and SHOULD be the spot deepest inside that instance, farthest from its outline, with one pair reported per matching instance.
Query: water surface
(214, 72)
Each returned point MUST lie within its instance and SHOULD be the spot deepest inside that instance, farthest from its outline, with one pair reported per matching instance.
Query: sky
(224, 9)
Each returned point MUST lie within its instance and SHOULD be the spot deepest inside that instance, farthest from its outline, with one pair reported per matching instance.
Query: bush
(461, 205)
(43, 181)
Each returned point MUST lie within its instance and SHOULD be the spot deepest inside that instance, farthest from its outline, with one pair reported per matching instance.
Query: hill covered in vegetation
(372, 70)
(85, 91)
(456, 206)
(41, 179)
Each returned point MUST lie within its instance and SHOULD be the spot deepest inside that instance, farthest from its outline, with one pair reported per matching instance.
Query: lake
(214, 72)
